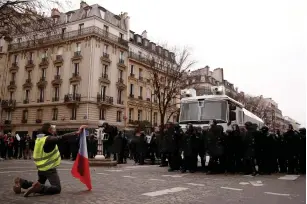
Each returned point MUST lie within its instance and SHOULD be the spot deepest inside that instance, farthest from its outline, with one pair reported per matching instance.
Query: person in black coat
(268, 148)
(249, 149)
(302, 150)
(189, 148)
(292, 143)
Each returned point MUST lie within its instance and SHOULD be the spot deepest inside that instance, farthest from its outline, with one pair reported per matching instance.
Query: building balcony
(141, 79)
(28, 84)
(77, 56)
(55, 99)
(105, 58)
(73, 35)
(120, 84)
(14, 68)
(38, 121)
(131, 96)
(57, 81)
(104, 79)
(24, 120)
(140, 97)
(30, 65)
(121, 64)
(42, 83)
(141, 59)
(12, 86)
(26, 101)
(40, 100)
(58, 60)
(72, 98)
(148, 99)
(120, 102)
(8, 104)
(104, 100)
(75, 78)
(44, 63)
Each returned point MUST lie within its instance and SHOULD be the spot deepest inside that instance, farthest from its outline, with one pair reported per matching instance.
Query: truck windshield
(203, 111)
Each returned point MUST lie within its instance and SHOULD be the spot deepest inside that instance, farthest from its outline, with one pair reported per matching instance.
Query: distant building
(289, 121)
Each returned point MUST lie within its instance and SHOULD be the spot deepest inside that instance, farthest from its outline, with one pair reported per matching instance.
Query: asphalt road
(128, 184)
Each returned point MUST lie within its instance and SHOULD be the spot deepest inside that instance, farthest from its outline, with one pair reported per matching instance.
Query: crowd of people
(16, 147)
(246, 150)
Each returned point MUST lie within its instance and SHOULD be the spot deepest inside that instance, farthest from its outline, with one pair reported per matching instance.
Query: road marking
(7, 172)
(289, 177)
(135, 167)
(278, 194)
(114, 170)
(166, 191)
(244, 183)
(256, 183)
(234, 189)
(66, 162)
(103, 174)
(129, 177)
(195, 184)
(173, 176)
(156, 180)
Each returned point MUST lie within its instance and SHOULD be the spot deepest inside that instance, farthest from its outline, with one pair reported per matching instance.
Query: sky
(261, 45)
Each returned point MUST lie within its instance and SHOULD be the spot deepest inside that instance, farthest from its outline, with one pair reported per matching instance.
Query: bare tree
(168, 76)
(19, 17)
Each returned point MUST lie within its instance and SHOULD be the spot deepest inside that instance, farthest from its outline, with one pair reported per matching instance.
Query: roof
(251, 115)
(95, 11)
(213, 97)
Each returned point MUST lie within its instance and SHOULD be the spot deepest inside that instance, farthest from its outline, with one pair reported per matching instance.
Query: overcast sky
(260, 44)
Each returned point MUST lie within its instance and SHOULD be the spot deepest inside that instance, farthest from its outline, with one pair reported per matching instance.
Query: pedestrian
(46, 158)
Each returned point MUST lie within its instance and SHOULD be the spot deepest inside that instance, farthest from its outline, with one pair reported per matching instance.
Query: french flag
(81, 168)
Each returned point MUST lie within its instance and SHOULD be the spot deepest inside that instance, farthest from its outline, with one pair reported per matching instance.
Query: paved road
(128, 184)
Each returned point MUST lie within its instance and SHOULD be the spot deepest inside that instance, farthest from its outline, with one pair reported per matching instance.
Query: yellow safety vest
(45, 161)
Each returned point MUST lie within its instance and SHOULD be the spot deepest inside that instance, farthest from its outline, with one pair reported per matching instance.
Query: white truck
(200, 110)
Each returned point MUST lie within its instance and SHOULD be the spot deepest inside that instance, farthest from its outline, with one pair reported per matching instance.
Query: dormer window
(139, 39)
(153, 47)
(166, 53)
(87, 12)
(102, 14)
(68, 17)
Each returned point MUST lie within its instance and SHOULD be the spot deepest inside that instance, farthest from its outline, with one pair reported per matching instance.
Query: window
(78, 47)
(102, 14)
(119, 96)
(29, 74)
(81, 26)
(76, 68)
(15, 59)
(8, 115)
(73, 113)
(121, 36)
(25, 115)
(141, 91)
(11, 95)
(240, 118)
(19, 40)
(60, 51)
(87, 12)
(130, 114)
(43, 73)
(39, 114)
(120, 74)
(118, 116)
(105, 69)
(105, 48)
(131, 69)
(131, 89)
(174, 118)
(27, 94)
(155, 117)
(73, 89)
(106, 28)
(41, 94)
(101, 114)
(13, 76)
(55, 114)
(57, 70)
(103, 91)
(31, 56)
(140, 73)
(63, 32)
(148, 94)
(68, 16)
(121, 55)
(56, 93)
(44, 54)
(140, 115)
(140, 54)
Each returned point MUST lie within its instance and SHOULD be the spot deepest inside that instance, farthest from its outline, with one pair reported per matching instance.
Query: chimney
(55, 13)
(144, 34)
(83, 4)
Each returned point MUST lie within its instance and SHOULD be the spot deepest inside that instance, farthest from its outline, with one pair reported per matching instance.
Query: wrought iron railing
(57, 38)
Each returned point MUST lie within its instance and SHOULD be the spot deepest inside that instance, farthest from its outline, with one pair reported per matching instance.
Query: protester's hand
(81, 128)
